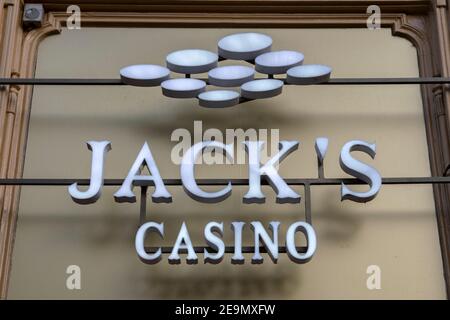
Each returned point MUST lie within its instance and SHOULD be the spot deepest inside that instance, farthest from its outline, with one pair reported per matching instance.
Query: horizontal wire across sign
(228, 249)
(220, 182)
(335, 81)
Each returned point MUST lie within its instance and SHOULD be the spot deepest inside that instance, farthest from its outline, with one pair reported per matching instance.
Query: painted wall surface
(397, 231)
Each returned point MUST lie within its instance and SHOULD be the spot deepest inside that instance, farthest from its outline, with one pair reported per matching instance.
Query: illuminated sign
(254, 49)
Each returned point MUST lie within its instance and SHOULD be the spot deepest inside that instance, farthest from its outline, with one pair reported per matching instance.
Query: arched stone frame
(421, 22)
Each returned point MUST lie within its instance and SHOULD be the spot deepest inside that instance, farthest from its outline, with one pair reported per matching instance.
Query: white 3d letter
(144, 158)
(270, 245)
(310, 235)
(188, 173)
(183, 242)
(140, 239)
(92, 194)
(284, 193)
(359, 170)
(238, 257)
(214, 242)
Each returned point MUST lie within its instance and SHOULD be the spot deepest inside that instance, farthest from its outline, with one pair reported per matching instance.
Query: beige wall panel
(397, 231)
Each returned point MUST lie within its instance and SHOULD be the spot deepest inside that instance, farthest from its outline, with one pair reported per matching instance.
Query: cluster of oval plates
(252, 47)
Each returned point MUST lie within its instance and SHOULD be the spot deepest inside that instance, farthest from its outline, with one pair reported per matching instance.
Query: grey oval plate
(278, 62)
(262, 88)
(191, 61)
(308, 74)
(244, 46)
(230, 76)
(183, 88)
(218, 98)
(144, 75)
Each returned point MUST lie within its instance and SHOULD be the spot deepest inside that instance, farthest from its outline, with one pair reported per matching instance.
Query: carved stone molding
(240, 6)
(15, 110)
